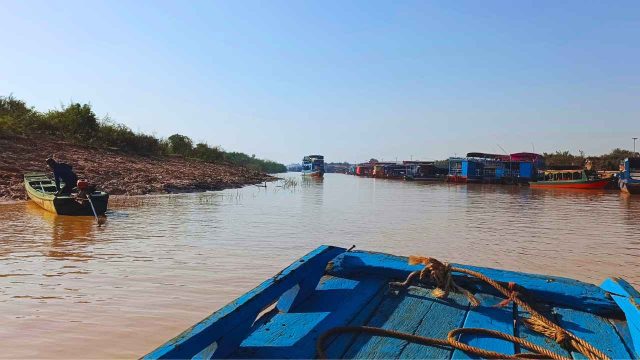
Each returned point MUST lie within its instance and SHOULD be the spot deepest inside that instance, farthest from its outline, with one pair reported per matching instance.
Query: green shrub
(78, 123)
(207, 153)
(73, 121)
(180, 145)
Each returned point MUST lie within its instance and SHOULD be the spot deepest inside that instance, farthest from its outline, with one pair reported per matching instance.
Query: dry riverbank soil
(116, 172)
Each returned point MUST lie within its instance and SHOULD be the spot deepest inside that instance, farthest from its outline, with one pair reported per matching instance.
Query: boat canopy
(562, 171)
(521, 156)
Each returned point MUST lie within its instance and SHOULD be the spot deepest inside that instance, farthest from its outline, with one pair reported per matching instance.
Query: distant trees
(610, 161)
(78, 123)
(208, 153)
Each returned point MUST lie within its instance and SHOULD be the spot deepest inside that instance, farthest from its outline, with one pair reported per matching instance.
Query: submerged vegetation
(78, 123)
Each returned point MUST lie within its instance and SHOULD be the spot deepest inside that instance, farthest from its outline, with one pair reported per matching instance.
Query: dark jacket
(64, 172)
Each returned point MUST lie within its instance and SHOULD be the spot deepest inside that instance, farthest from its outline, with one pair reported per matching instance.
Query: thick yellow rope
(440, 273)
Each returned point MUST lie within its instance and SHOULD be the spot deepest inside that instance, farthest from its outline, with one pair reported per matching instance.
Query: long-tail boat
(337, 303)
(570, 179)
(313, 165)
(629, 180)
(42, 191)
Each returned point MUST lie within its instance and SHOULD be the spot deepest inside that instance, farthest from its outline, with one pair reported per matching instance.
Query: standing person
(64, 172)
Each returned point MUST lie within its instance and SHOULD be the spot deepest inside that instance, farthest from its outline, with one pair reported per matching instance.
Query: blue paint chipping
(330, 287)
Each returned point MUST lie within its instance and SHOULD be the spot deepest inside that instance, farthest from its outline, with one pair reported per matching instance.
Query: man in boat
(64, 172)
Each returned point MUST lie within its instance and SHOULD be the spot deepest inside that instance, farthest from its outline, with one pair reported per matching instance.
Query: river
(69, 289)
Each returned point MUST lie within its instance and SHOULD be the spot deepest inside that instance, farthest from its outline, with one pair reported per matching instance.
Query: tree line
(79, 124)
(610, 161)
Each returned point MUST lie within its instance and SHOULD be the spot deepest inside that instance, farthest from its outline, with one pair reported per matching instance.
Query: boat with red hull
(571, 179)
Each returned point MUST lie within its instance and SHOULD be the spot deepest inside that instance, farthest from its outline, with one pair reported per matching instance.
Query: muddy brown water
(69, 289)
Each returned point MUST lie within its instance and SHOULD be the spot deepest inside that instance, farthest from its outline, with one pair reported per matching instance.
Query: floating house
(630, 176)
(364, 169)
(495, 168)
(423, 171)
(389, 170)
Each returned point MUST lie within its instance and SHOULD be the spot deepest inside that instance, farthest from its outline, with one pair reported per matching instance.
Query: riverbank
(114, 171)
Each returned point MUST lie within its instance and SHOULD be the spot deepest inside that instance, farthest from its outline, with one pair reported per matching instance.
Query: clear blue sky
(349, 79)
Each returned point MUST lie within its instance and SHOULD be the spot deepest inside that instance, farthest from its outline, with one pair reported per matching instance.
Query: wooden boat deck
(284, 317)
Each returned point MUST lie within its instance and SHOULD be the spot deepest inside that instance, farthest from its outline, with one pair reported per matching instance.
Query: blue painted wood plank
(294, 334)
(620, 287)
(560, 291)
(402, 311)
(336, 347)
(628, 299)
(622, 328)
(631, 308)
(443, 316)
(229, 326)
(594, 329)
(534, 337)
(488, 316)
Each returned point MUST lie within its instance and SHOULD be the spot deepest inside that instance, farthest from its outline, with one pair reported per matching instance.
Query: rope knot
(513, 294)
(561, 338)
(440, 274)
(559, 335)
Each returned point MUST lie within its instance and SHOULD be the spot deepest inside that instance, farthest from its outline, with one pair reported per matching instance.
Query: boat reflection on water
(70, 235)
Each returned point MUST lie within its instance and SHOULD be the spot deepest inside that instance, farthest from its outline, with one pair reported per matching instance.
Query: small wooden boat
(570, 179)
(313, 165)
(629, 180)
(41, 190)
(337, 303)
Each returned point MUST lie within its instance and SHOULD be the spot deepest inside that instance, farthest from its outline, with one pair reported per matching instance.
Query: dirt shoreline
(114, 171)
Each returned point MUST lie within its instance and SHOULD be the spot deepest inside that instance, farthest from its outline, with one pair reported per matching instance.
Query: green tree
(16, 117)
(74, 120)
(180, 144)
(205, 152)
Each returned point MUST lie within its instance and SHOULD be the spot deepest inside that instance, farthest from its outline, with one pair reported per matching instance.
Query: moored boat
(313, 165)
(629, 180)
(570, 179)
(42, 191)
(329, 303)
(423, 171)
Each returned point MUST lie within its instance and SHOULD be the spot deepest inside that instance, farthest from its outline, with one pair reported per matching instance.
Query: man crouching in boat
(64, 172)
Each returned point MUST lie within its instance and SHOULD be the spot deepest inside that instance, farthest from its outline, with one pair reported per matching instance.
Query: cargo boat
(337, 303)
(570, 179)
(313, 165)
(629, 180)
(42, 191)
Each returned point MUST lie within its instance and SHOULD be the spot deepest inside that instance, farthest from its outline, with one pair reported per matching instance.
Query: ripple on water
(162, 263)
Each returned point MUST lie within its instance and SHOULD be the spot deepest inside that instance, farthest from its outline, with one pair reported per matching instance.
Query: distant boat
(41, 190)
(571, 179)
(313, 165)
(629, 181)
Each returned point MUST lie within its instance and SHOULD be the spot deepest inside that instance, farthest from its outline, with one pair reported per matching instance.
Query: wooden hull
(595, 184)
(429, 179)
(457, 179)
(63, 205)
(316, 174)
(332, 287)
(630, 187)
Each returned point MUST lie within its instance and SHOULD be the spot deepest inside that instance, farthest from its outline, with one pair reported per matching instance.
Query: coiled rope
(440, 274)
